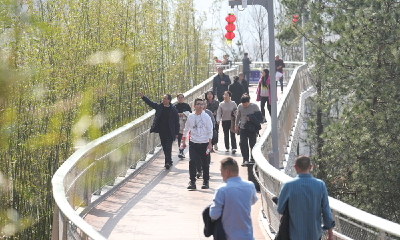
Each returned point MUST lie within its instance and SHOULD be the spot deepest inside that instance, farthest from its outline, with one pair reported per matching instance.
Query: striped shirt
(307, 199)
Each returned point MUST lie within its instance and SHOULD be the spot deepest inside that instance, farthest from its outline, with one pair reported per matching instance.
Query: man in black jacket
(246, 66)
(165, 123)
(220, 84)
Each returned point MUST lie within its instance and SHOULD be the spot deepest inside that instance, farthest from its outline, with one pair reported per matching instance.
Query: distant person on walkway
(199, 125)
(263, 92)
(233, 200)
(213, 105)
(215, 135)
(217, 61)
(246, 67)
(279, 64)
(246, 135)
(224, 113)
(183, 111)
(244, 83)
(236, 89)
(226, 61)
(307, 200)
(220, 84)
(165, 123)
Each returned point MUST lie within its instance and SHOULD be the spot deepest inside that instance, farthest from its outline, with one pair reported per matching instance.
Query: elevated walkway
(99, 193)
(156, 204)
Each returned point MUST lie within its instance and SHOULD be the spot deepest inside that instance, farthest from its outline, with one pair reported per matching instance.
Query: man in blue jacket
(165, 123)
(220, 84)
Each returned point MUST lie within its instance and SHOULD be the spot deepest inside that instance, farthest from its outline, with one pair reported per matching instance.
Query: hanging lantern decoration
(230, 28)
(294, 19)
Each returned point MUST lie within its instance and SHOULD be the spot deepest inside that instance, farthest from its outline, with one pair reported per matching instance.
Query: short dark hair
(205, 95)
(180, 94)
(231, 164)
(245, 98)
(303, 162)
(236, 78)
(169, 97)
(245, 54)
(229, 93)
(197, 100)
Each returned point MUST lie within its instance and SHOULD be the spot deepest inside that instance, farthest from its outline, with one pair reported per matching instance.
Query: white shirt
(200, 128)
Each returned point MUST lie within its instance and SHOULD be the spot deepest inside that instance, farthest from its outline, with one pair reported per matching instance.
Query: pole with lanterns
(269, 5)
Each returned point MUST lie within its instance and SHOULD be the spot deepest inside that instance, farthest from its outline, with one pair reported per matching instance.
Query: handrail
(99, 163)
(273, 179)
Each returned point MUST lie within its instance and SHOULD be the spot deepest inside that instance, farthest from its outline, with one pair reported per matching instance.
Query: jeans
(197, 154)
(166, 143)
(179, 139)
(247, 137)
(263, 101)
(226, 125)
(281, 82)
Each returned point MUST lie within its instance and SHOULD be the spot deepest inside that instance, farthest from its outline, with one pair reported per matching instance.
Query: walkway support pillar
(269, 5)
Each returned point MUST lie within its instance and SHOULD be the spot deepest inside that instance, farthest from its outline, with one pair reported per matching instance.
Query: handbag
(283, 232)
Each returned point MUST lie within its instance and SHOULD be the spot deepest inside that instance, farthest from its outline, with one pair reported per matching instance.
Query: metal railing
(351, 223)
(98, 164)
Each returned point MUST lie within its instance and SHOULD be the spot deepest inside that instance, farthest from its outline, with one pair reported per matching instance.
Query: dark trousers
(246, 76)
(281, 82)
(166, 143)
(179, 139)
(263, 101)
(216, 128)
(197, 154)
(247, 137)
(220, 98)
(226, 125)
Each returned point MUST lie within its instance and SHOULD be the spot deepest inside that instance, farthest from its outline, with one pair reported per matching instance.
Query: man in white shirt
(201, 130)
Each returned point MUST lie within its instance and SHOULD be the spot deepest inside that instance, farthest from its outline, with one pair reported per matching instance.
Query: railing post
(337, 221)
(382, 235)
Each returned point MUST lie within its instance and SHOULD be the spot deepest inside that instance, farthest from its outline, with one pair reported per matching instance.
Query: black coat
(218, 88)
(173, 120)
(254, 125)
(237, 91)
(246, 64)
(213, 228)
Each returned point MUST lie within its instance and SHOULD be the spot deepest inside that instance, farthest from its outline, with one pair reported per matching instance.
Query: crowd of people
(302, 201)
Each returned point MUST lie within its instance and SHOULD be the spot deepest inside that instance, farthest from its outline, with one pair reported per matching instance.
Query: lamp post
(269, 5)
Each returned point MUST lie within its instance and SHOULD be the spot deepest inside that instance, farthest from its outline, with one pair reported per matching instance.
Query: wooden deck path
(156, 204)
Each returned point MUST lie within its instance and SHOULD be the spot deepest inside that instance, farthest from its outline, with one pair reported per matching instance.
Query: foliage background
(70, 72)
(354, 128)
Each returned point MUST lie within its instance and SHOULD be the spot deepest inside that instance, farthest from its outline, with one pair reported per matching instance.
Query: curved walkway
(156, 204)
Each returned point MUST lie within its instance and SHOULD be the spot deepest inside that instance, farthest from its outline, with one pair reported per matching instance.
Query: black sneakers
(205, 185)
(168, 165)
(245, 163)
(191, 186)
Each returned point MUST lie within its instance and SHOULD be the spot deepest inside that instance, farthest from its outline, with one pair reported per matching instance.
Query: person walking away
(244, 83)
(246, 61)
(220, 84)
(279, 64)
(224, 114)
(213, 105)
(236, 89)
(200, 127)
(165, 123)
(233, 200)
(247, 137)
(183, 111)
(264, 91)
(306, 198)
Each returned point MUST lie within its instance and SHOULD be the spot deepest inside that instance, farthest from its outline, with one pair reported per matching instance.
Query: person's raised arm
(148, 101)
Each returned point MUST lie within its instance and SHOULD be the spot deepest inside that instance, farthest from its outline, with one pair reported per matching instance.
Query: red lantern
(294, 19)
(230, 27)
(229, 36)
